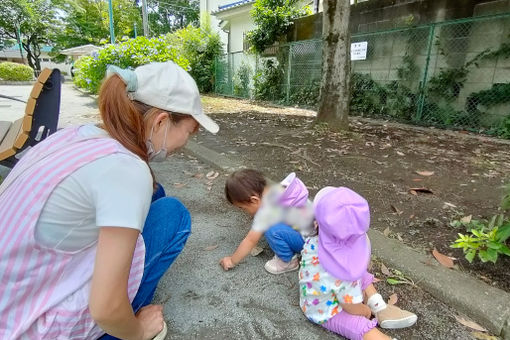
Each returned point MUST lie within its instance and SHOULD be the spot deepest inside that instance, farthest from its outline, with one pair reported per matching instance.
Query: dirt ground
(381, 162)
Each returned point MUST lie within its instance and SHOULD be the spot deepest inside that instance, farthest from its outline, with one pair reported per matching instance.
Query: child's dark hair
(243, 184)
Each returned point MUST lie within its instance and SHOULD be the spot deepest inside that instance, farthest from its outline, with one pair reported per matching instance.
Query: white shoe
(161, 335)
(277, 266)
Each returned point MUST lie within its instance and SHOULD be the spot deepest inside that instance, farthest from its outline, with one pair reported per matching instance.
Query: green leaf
(494, 245)
(503, 233)
(392, 281)
(482, 254)
(492, 255)
(470, 255)
(504, 250)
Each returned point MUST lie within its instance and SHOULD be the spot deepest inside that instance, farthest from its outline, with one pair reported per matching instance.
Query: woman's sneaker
(393, 317)
(277, 266)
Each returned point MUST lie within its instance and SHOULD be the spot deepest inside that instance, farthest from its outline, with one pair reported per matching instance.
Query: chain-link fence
(452, 74)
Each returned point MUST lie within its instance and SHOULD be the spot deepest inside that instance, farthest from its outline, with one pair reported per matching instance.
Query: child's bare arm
(357, 309)
(249, 242)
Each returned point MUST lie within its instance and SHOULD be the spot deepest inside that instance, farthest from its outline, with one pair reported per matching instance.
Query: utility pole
(144, 18)
(112, 33)
(135, 30)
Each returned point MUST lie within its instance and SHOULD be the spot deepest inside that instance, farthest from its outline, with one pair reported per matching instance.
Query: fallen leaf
(393, 299)
(417, 179)
(198, 175)
(179, 185)
(483, 336)
(385, 270)
(396, 210)
(425, 173)
(442, 259)
(399, 237)
(470, 324)
(411, 217)
(256, 251)
(209, 188)
(386, 231)
(466, 219)
(400, 153)
(412, 192)
(211, 247)
(422, 190)
(212, 175)
(450, 205)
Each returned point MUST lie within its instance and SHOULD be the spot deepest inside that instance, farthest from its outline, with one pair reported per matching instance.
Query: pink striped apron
(44, 293)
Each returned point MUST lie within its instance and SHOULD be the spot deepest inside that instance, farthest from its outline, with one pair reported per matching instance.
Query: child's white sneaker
(277, 266)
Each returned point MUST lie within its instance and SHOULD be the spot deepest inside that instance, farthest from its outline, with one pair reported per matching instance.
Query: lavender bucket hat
(343, 217)
(295, 194)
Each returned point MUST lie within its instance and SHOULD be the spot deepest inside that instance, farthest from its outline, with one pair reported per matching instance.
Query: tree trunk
(336, 65)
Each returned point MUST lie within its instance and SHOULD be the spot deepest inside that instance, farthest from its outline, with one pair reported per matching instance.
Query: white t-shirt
(113, 191)
(272, 212)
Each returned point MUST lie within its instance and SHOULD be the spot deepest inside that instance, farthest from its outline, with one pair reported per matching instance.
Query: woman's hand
(227, 263)
(151, 319)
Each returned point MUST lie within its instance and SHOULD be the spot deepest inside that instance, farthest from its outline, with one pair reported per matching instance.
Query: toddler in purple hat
(278, 212)
(336, 289)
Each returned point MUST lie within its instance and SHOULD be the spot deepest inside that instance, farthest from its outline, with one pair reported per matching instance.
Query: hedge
(15, 72)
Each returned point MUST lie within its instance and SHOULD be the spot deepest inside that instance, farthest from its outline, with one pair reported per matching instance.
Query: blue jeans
(285, 241)
(165, 232)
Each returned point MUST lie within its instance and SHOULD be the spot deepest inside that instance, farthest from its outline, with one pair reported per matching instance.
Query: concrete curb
(12, 82)
(488, 306)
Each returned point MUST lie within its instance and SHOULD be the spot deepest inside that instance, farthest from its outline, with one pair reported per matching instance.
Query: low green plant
(267, 81)
(305, 95)
(15, 72)
(485, 238)
(241, 80)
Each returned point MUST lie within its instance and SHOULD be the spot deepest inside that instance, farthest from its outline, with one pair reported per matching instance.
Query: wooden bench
(40, 119)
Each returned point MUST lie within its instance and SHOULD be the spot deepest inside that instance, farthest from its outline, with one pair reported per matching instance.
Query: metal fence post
(421, 100)
(289, 69)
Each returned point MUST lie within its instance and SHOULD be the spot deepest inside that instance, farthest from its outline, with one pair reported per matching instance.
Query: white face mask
(161, 154)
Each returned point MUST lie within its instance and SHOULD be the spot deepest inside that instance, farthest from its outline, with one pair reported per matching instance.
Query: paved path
(75, 107)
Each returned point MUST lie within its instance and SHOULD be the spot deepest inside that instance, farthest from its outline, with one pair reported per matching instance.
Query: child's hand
(227, 263)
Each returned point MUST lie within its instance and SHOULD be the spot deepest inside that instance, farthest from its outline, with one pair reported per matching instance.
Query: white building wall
(208, 6)
(239, 26)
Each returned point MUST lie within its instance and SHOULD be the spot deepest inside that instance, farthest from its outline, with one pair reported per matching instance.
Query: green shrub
(241, 81)
(268, 80)
(192, 48)
(90, 70)
(273, 18)
(305, 95)
(200, 46)
(16, 72)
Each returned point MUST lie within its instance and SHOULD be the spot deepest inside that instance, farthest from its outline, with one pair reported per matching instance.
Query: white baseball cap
(168, 87)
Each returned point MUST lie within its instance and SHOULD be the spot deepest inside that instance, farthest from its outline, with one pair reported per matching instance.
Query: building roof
(13, 51)
(232, 5)
(81, 50)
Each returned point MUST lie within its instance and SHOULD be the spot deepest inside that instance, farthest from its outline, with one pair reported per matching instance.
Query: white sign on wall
(359, 50)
